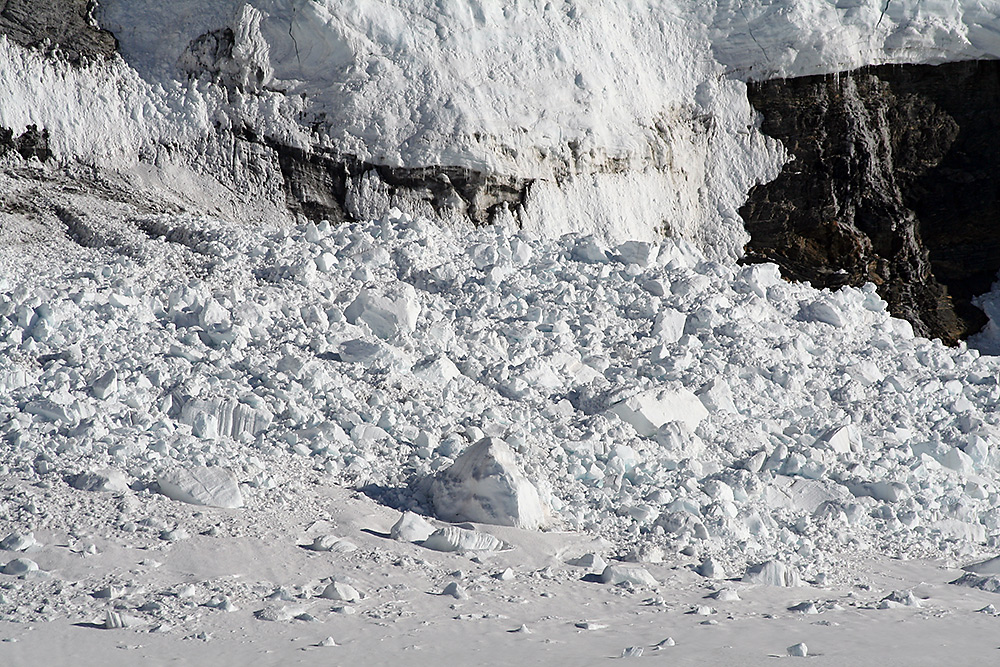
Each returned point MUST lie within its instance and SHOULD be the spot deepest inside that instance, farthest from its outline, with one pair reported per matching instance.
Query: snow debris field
(584, 432)
(673, 406)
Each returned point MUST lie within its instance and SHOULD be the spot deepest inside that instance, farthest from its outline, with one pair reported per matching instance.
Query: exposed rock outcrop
(894, 180)
(65, 26)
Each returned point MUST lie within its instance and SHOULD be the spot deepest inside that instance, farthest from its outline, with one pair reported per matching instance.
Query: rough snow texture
(211, 486)
(859, 437)
(486, 485)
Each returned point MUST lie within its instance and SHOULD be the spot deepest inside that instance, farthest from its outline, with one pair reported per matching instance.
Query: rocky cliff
(894, 179)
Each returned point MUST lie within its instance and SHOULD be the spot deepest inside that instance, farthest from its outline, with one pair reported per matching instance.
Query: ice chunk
(717, 396)
(107, 479)
(627, 574)
(651, 409)
(106, 385)
(841, 439)
(213, 487)
(590, 249)
(411, 528)
(453, 538)
(20, 566)
(669, 325)
(215, 417)
(337, 590)
(711, 569)
(389, 312)
(332, 544)
(590, 561)
(758, 277)
(17, 542)
(822, 311)
(990, 566)
(455, 590)
(772, 573)
(799, 650)
(486, 485)
(439, 371)
(804, 495)
(637, 252)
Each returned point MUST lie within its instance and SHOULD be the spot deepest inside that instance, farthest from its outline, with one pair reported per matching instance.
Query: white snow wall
(631, 116)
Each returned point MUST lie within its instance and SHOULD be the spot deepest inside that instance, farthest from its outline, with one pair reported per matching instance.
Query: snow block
(486, 485)
(627, 574)
(411, 528)
(389, 312)
(772, 573)
(843, 440)
(453, 538)
(650, 410)
(669, 325)
(107, 479)
(212, 487)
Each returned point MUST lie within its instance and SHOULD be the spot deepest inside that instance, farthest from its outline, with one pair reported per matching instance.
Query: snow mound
(486, 485)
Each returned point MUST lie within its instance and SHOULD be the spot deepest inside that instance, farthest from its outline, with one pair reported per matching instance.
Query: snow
(245, 442)
(486, 485)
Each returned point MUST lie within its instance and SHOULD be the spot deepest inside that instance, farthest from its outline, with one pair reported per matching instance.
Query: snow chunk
(107, 479)
(717, 396)
(337, 590)
(20, 566)
(822, 311)
(637, 252)
(411, 528)
(389, 312)
(486, 485)
(772, 573)
(213, 487)
(842, 439)
(799, 650)
(18, 542)
(452, 538)
(651, 409)
(669, 325)
(106, 385)
(439, 371)
(628, 574)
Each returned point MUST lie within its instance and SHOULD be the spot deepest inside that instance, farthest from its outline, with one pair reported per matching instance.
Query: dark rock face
(320, 184)
(895, 179)
(64, 26)
(31, 143)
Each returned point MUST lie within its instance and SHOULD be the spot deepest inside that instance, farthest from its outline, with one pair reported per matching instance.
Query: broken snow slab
(485, 485)
(202, 485)
(649, 410)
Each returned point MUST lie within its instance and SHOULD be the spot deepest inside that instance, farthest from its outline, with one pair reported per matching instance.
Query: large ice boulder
(486, 485)
(772, 573)
(389, 311)
(649, 410)
(197, 485)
